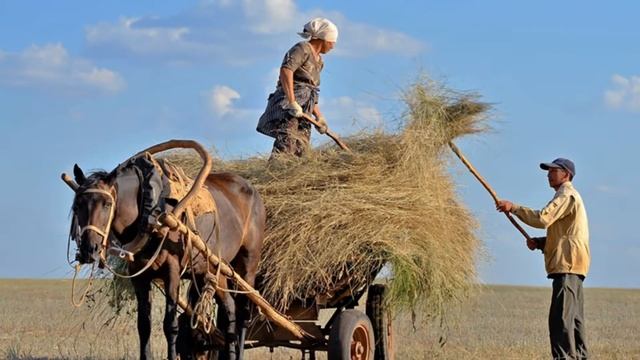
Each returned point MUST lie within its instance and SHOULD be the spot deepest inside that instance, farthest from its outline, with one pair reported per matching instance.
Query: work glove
(537, 243)
(322, 126)
(531, 244)
(294, 109)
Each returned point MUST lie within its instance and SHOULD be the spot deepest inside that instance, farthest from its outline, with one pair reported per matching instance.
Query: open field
(37, 321)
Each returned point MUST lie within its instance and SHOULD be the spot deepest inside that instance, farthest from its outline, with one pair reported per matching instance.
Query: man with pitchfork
(566, 254)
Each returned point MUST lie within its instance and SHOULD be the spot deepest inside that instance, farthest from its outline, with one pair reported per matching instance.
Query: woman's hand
(295, 109)
(322, 124)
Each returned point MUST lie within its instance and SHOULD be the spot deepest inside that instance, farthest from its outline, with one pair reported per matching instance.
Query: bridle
(104, 233)
(105, 238)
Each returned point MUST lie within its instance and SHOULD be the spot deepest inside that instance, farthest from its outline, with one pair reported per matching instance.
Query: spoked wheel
(351, 337)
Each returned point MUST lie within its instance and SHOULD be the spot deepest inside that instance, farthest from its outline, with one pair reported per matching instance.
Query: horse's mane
(93, 178)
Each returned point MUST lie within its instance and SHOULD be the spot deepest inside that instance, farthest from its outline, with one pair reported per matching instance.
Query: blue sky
(94, 83)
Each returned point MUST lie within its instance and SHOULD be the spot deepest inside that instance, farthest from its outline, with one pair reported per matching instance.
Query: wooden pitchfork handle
(329, 132)
(486, 186)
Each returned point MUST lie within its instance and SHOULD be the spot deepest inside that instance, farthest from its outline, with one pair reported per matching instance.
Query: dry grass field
(37, 321)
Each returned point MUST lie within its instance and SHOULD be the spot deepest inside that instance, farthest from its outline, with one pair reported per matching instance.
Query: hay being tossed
(334, 216)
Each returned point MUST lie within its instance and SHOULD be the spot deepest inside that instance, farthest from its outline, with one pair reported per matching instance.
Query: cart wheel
(351, 337)
(381, 322)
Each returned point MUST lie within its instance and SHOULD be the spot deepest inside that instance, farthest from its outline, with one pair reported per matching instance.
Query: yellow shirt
(566, 249)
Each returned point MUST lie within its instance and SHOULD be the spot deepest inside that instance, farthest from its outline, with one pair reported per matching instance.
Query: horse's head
(93, 212)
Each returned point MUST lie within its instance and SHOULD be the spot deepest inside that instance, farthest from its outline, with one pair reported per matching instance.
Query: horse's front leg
(143, 296)
(247, 266)
(229, 305)
(170, 324)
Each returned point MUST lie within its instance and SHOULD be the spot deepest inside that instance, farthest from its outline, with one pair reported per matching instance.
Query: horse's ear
(77, 172)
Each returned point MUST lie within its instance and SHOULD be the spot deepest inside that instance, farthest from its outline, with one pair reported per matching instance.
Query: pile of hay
(334, 215)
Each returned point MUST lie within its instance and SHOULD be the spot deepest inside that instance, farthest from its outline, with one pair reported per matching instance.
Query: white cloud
(351, 115)
(236, 33)
(221, 99)
(130, 35)
(101, 78)
(611, 190)
(270, 16)
(605, 189)
(51, 65)
(359, 39)
(344, 114)
(271, 79)
(625, 93)
(221, 3)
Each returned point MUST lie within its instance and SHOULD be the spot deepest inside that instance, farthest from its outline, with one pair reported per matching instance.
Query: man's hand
(295, 109)
(531, 244)
(322, 125)
(504, 206)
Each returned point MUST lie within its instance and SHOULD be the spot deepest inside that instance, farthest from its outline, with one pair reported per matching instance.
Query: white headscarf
(320, 28)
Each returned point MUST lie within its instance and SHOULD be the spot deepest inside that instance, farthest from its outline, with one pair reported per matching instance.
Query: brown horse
(107, 209)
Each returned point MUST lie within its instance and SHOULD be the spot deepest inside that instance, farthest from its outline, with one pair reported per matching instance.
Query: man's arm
(556, 209)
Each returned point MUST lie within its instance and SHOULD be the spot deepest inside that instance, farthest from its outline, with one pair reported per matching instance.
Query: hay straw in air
(335, 216)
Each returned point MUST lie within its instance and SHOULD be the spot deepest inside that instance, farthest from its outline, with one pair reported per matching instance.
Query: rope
(254, 291)
(217, 232)
(203, 311)
(104, 233)
(68, 248)
(219, 271)
(101, 232)
(193, 273)
(230, 291)
(187, 248)
(149, 263)
(231, 277)
(86, 291)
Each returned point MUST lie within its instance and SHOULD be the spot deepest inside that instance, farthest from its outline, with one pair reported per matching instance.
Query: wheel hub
(360, 344)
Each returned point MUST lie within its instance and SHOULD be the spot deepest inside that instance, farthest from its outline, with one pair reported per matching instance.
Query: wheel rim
(360, 344)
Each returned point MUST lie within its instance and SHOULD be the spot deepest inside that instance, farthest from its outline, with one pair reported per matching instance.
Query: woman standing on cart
(297, 90)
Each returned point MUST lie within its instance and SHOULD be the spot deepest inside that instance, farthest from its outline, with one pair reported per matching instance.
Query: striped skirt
(275, 117)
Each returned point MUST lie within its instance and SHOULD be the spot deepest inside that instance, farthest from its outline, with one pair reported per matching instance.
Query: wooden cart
(348, 334)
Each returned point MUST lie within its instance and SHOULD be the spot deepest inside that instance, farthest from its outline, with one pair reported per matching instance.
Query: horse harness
(104, 233)
(161, 186)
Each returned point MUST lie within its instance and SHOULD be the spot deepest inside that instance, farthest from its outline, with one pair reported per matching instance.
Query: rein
(147, 266)
(104, 233)
(86, 290)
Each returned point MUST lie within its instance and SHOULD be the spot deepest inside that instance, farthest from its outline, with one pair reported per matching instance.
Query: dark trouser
(566, 318)
(292, 137)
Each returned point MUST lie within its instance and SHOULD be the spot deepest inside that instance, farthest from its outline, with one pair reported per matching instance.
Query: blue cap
(560, 163)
